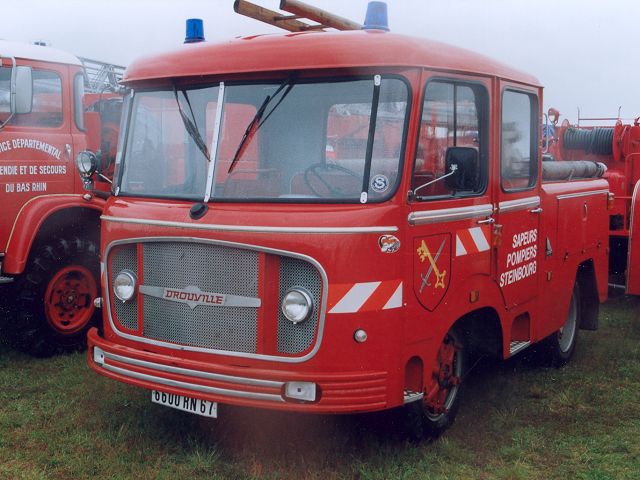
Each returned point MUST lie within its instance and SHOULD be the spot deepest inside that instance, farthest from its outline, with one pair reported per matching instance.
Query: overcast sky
(584, 52)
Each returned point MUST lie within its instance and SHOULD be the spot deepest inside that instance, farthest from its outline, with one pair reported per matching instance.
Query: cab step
(410, 396)
(518, 346)
(6, 280)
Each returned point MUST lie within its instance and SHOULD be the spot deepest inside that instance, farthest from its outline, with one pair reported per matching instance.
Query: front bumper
(348, 392)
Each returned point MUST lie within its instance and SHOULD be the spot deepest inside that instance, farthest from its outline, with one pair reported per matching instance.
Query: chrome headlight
(124, 285)
(297, 305)
(87, 163)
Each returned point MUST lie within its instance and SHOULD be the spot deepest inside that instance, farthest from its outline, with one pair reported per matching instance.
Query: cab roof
(36, 52)
(316, 50)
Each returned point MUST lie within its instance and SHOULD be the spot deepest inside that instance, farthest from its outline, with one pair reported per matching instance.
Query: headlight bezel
(125, 275)
(289, 299)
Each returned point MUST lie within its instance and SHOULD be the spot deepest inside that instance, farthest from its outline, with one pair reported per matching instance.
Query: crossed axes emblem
(424, 253)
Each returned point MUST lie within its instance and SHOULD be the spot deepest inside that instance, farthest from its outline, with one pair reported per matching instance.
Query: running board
(518, 346)
(410, 396)
(6, 280)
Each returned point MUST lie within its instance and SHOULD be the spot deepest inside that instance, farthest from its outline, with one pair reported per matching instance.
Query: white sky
(583, 52)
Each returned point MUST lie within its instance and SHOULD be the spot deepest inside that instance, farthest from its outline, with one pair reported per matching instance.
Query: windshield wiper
(256, 122)
(190, 125)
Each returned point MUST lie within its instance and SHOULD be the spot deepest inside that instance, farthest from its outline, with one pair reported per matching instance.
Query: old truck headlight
(297, 305)
(124, 286)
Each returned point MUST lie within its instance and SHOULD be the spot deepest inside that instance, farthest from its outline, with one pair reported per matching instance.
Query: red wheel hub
(69, 299)
(444, 376)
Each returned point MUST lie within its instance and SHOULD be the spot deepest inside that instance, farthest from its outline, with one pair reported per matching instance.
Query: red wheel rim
(446, 378)
(69, 299)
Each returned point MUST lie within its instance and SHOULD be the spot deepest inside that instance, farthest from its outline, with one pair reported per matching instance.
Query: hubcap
(69, 299)
(446, 379)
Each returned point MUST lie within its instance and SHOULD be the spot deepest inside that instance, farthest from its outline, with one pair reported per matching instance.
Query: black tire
(54, 297)
(420, 417)
(558, 348)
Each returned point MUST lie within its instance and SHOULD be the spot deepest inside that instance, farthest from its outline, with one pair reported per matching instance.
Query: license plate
(186, 404)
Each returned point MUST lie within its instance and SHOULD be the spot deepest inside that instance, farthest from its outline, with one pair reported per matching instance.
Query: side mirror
(465, 162)
(23, 99)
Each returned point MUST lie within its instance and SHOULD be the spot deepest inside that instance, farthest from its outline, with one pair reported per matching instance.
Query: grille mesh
(125, 258)
(212, 268)
(295, 272)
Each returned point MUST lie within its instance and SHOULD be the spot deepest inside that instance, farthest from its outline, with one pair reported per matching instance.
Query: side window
(47, 100)
(519, 147)
(451, 158)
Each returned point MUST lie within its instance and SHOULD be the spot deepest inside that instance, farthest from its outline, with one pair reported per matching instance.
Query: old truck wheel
(441, 402)
(559, 347)
(54, 297)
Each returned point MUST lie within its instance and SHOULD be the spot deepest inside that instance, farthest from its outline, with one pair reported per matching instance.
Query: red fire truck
(337, 222)
(52, 104)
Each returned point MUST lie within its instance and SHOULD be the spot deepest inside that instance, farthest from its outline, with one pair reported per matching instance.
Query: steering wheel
(315, 171)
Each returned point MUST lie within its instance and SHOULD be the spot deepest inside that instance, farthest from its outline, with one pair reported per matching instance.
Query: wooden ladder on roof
(298, 11)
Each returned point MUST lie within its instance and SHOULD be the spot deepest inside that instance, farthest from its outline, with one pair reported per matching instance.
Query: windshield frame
(276, 79)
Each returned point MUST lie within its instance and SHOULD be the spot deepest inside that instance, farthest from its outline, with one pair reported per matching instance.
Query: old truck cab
(336, 223)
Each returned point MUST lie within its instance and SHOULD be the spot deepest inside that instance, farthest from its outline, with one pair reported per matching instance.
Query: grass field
(518, 421)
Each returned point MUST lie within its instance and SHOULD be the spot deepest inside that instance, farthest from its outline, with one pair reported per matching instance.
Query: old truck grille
(218, 269)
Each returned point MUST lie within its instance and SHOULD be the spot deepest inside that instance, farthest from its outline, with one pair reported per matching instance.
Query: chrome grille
(212, 268)
(295, 272)
(125, 258)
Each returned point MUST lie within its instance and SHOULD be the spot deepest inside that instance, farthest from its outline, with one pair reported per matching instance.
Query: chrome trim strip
(583, 194)
(198, 388)
(250, 228)
(173, 346)
(519, 204)
(450, 214)
(192, 373)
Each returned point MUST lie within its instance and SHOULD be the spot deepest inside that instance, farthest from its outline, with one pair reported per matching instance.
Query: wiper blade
(256, 122)
(190, 125)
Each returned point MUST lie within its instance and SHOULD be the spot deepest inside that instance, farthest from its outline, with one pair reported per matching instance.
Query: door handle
(536, 210)
(486, 221)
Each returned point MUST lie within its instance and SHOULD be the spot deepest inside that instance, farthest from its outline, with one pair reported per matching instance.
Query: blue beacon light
(195, 31)
(376, 17)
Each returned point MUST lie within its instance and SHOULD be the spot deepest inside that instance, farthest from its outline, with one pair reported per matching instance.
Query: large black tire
(558, 348)
(422, 420)
(54, 297)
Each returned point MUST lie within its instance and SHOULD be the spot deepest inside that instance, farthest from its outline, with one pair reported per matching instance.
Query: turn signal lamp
(195, 31)
(376, 17)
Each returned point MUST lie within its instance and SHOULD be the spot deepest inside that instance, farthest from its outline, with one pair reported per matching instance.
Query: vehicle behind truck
(52, 105)
(338, 222)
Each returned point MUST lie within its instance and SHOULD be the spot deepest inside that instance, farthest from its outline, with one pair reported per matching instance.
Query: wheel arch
(41, 218)
(482, 332)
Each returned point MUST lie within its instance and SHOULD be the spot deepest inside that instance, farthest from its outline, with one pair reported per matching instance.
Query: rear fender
(33, 215)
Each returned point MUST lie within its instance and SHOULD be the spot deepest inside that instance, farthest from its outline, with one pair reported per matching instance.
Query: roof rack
(298, 11)
(101, 76)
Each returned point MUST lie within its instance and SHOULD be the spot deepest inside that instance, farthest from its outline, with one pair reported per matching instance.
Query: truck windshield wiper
(256, 122)
(190, 125)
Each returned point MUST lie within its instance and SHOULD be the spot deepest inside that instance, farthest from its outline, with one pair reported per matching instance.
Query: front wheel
(438, 409)
(54, 297)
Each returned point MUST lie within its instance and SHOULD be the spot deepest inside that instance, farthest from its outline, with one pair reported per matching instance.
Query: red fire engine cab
(52, 104)
(337, 222)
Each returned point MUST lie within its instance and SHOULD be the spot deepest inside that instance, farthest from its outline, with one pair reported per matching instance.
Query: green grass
(518, 421)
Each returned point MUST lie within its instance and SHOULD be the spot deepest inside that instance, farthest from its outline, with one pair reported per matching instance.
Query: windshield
(277, 141)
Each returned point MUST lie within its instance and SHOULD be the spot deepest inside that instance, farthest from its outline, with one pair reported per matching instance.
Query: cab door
(518, 214)
(450, 203)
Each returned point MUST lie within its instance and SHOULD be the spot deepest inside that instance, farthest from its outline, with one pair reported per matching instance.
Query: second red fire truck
(337, 222)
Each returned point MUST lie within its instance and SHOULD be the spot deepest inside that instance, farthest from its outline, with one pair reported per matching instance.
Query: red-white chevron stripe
(472, 240)
(365, 297)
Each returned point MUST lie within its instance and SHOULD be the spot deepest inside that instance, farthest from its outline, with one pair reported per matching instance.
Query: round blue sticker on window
(379, 183)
